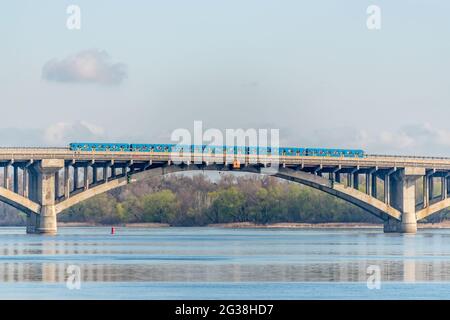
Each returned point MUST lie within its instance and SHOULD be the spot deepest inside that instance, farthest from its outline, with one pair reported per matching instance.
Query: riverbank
(126, 225)
(251, 225)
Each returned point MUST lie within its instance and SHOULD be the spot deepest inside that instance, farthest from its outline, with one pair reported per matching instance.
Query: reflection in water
(409, 263)
(221, 255)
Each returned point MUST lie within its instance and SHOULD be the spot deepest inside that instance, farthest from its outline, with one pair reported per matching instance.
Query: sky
(138, 70)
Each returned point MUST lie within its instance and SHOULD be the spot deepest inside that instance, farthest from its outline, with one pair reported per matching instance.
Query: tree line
(198, 200)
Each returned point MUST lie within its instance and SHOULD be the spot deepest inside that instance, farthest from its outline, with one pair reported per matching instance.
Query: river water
(214, 263)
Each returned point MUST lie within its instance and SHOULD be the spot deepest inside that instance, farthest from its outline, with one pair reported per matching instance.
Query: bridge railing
(407, 157)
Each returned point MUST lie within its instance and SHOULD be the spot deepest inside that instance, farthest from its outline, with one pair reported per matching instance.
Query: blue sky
(310, 68)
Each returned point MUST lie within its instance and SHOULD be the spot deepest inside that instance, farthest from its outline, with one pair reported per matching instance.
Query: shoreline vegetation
(221, 200)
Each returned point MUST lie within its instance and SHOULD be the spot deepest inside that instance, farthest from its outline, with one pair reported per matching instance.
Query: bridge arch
(356, 197)
(19, 202)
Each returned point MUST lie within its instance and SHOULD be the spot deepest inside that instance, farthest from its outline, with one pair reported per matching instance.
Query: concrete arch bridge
(43, 182)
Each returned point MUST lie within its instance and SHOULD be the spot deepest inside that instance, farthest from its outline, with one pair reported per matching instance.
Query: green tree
(226, 205)
(160, 207)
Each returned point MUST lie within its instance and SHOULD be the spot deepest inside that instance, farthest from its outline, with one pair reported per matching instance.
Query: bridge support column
(387, 189)
(448, 185)
(426, 191)
(356, 181)
(94, 174)
(25, 182)
(431, 187)
(66, 182)
(403, 192)
(368, 183)
(86, 177)
(374, 185)
(349, 180)
(444, 187)
(57, 184)
(338, 177)
(16, 179)
(105, 173)
(43, 174)
(6, 176)
(75, 178)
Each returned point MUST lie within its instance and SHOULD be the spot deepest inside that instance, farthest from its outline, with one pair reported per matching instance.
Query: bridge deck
(11, 155)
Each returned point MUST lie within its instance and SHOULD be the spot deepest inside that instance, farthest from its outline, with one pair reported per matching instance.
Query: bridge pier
(42, 182)
(402, 197)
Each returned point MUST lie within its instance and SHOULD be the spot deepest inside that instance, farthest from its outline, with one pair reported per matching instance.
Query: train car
(162, 148)
(252, 151)
(213, 150)
(159, 148)
(216, 150)
(197, 149)
(89, 146)
(240, 150)
(182, 148)
(140, 147)
(293, 152)
(321, 152)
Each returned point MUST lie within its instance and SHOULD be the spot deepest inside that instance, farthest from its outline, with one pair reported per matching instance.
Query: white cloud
(396, 139)
(89, 66)
(62, 133)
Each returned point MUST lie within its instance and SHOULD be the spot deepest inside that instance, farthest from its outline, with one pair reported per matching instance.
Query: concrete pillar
(105, 173)
(374, 185)
(16, 179)
(349, 180)
(356, 181)
(6, 176)
(426, 191)
(444, 187)
(32, 185)
(368, 183)
(94, 174)
(448, 184)
(44, 176)
(25, 182)
(338, 177)
(66, 182)
(431, 187)
(404, 199)
(86, 177)
(57, 184)
(75, 178)
(387, 189)
(113, 172)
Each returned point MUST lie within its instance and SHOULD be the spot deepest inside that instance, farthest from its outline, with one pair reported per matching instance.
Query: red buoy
(112, 230)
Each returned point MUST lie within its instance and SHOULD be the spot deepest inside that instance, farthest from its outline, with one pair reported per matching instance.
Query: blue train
(206, 149)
